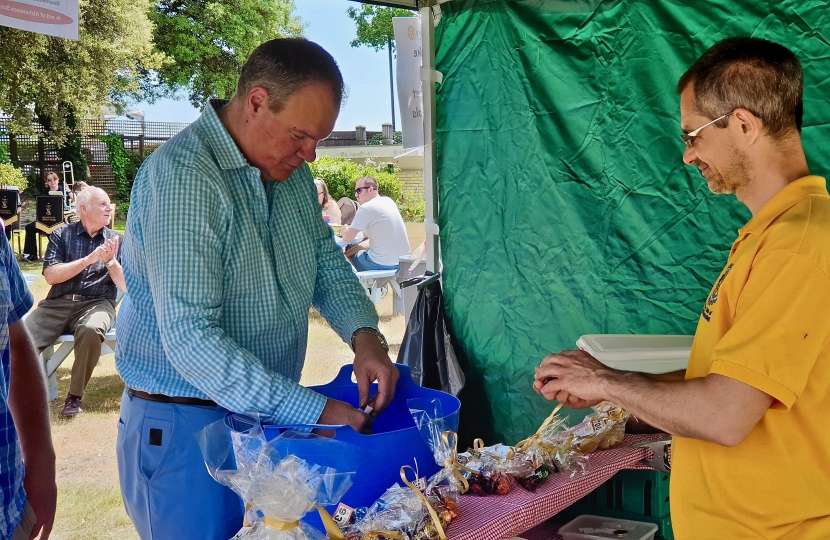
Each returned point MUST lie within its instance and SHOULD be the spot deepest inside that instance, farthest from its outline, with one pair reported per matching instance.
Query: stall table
(506, 516)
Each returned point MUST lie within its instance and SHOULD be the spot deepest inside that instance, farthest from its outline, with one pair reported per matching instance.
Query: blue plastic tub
(394, 443)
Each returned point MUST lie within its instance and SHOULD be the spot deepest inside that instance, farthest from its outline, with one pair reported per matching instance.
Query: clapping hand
(109, 250)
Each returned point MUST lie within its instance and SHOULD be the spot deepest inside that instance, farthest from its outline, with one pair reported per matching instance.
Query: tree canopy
(374, 25)
(130, 50)
(205, 43)
(60, 79)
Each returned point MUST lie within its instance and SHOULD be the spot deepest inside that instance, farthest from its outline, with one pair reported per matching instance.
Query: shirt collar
(228, 155)
(80, 229)
(782, 201)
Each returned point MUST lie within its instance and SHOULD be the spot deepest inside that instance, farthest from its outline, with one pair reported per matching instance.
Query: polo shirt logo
(713, 297)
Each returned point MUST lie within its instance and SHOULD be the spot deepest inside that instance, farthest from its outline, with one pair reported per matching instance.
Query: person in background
(82, 264)
(28, 493)
(53, 183)
(217, 321)
(77, 187)
(381, 222)
(329, 205)
(750, 451)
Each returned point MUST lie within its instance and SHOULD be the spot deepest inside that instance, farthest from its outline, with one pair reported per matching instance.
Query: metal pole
(430, 172)
(391, 84)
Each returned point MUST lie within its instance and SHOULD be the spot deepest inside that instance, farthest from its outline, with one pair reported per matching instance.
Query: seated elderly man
(380, 220)
(82, 264)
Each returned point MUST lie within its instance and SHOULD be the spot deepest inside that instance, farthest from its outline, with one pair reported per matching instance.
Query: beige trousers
(88, 321)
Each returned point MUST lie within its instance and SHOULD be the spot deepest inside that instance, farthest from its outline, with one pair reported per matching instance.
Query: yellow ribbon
(525, 444)
(332, 530)
(430, 509)
(453, 463)
(478, 446)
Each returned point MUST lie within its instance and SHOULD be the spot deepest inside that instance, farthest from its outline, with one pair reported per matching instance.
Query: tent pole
(430, 173)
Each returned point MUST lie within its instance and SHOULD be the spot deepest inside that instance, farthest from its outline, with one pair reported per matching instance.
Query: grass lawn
(89, 499)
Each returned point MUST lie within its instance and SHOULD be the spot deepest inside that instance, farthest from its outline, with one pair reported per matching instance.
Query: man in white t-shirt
(380, 220)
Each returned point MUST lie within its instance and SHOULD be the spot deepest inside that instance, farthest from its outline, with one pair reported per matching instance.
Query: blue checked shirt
(221, 272)
(15, 301)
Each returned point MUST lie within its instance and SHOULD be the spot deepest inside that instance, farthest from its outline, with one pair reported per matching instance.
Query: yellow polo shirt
(766, 323)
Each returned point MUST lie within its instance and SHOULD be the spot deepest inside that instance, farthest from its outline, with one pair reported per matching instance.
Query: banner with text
(51, 17)
(410, 101)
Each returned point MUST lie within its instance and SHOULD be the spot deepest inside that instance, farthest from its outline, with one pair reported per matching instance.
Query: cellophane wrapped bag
(277, 490)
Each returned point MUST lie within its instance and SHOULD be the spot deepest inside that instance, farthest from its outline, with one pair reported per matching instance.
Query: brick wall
(413, 180)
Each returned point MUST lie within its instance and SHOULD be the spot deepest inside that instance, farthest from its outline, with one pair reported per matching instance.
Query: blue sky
(365, 71)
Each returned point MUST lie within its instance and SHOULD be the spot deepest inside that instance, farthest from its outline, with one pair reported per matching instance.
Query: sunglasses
(689, 138)
(359, 190)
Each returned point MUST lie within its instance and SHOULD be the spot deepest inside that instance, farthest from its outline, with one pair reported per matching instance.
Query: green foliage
(377, 139)
(72, 150)
(34, 184)
(4, 153)
(11, 176)
(340, 176)
(122, 165)
(205, 43)
(64, 78)
(412, 207)
(374, 25)
(338, 173)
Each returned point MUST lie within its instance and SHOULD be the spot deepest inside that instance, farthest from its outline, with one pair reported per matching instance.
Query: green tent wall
(565, 206)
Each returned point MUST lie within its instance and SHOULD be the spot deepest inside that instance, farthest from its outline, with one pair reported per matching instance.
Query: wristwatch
(111, 262)
(370, 330)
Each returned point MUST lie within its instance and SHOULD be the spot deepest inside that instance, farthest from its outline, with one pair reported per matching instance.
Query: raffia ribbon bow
(332, 530)
(451, 440)
(535, 438)
(430, 509)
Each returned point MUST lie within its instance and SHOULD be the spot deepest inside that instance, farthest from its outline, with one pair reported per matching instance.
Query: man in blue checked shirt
(27, 499)
(225, 250)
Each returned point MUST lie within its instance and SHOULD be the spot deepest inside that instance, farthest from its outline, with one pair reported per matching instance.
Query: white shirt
(381, 221)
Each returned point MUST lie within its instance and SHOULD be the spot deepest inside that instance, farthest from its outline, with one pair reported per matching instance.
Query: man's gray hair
(285, 66)
(85, 196)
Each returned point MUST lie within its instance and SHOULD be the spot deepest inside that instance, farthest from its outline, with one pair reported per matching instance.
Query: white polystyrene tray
(645, 353)
(635, 530)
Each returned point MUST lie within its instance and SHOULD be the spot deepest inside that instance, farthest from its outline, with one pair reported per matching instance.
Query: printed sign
(51, 17)
(410, 90)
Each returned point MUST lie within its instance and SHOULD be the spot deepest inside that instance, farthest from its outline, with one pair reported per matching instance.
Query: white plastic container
(587, 527)
(644, 353)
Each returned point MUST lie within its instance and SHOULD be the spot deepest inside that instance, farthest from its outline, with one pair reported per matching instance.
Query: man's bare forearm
(712, 408)
(62, 272)
(28, 399)
(117, 275)
(671, 376)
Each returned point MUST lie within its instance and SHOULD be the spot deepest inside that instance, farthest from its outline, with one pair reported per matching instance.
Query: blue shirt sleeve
(21, 297)
(185, 257)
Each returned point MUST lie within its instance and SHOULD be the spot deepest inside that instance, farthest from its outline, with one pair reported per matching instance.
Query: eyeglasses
(689, 138)
(359, 190)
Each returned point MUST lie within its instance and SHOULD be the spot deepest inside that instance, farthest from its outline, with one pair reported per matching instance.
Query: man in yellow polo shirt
(751, 439)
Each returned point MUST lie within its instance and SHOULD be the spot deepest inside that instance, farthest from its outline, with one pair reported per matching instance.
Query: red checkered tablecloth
(496, 517)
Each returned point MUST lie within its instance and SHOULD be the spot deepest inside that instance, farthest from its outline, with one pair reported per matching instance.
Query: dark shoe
(72, 406)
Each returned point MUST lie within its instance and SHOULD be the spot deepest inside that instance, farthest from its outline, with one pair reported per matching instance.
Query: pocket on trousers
(156, 436)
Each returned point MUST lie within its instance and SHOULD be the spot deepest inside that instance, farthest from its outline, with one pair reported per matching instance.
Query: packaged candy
(278, 490)
(401, 514)
(600, 431)
(448, 483)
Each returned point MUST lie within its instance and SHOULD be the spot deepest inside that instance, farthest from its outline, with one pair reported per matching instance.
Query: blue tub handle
(344, 378)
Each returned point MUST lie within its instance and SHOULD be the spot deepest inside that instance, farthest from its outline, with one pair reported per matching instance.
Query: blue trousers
(363, 262)
(167, 490)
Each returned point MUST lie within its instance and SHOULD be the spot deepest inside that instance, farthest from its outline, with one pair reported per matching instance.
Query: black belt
(161, 398)
(78, 297)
